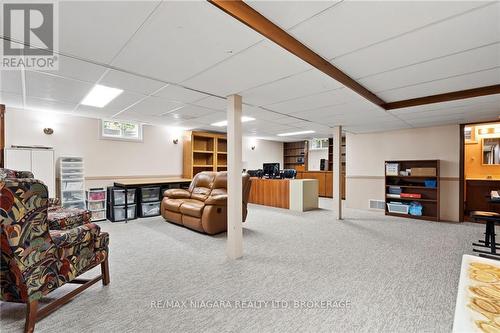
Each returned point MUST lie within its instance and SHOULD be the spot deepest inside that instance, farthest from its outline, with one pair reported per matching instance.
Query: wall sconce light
(48, 130)
(176, 141)
(253, 147)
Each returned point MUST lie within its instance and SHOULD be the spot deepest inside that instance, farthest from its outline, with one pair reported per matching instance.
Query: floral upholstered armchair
(38, 256)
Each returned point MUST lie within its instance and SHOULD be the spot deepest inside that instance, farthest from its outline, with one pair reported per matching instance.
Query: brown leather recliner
(203, 207)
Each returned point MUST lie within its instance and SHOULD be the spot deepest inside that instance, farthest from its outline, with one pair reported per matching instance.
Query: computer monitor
(271, 170)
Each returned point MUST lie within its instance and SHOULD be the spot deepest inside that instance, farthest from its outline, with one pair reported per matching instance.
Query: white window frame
(121, 137)
(322, 145)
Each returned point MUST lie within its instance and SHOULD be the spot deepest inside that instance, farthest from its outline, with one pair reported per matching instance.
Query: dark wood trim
(51, 307)
(461, 166)
(33, 313)
(253, 19)
(2, 134)
(446, 97)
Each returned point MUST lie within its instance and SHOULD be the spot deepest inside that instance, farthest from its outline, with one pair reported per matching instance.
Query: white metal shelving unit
(72, 182)
(96, 203)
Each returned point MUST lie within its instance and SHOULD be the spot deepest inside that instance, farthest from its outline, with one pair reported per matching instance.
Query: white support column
(234, 248)
(337, 170)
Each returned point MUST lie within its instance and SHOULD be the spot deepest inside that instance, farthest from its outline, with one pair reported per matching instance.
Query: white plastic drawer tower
(72, 182)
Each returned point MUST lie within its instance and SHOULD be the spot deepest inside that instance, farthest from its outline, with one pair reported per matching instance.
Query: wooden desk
(295, 194)
(143, 182)
(150, 181)
(477, 192)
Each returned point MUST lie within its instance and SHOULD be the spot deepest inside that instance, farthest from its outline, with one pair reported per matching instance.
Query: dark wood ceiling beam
(256, 21)
(446, 97)
(253, 19)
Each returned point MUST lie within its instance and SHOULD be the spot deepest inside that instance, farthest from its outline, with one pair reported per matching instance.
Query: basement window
(318, 143)
(121, 130)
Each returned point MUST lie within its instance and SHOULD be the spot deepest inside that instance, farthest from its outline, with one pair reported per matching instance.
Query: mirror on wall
(491, 151)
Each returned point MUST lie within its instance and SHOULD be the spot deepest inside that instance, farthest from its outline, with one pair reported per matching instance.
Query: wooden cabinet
(270, 192)
(325, 179)
(39, 161)
(204, 151)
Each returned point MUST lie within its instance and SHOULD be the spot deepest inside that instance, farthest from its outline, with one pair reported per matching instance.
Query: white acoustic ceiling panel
(466, 62)
(154, 106)
(121, 102)
(302, 84)
(11, 81)
(130, 82)
(328, 98)
(77, 69)
(180, 94)
(39, 104)
(471, 30)
(97, 30)
(287, 15)
(11, 100)
(55, 88)
(183, 38)
(257, 65)
(352, 25)
(212, 102)
(455, 83)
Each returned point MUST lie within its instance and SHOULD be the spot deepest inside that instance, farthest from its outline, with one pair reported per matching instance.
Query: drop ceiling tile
(286, 15)
(214, 116)
(183, 38)
(259, 64)
(306, 83)
(97, 30)
(212, 102)
(130, 82)
(326, 33)
(475, 60)
(121, 102)
(76, 69)
(155, 106)
(328, 98)
(11, 100)
(180, 94)
(189, 112)
(259, 113)
(39, 104)
(39, 85)
(474, 29)
(11, 82)
(462, 82)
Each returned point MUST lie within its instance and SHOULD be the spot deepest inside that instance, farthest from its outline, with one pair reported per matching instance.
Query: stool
(489, 236)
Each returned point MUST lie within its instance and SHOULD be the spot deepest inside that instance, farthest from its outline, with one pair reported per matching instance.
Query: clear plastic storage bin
(118, 196)
(398, 208)
(149, 194)
(118, 213)
(150, 209)
(99, 215)
(96, 205)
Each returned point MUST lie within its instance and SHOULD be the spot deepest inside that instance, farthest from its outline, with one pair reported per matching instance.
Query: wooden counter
(477, 193)
(270, 192)
(325, 179)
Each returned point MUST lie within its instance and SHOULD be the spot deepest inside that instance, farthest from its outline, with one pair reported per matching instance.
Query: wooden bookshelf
(295, 155)
(429, 200)
(204, 151)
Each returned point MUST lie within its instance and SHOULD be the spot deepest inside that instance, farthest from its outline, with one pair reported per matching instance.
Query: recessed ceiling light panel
(295, 133)
(99, 96)
(223, 123)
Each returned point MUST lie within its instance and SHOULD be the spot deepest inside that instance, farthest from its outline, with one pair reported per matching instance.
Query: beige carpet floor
(367, 273)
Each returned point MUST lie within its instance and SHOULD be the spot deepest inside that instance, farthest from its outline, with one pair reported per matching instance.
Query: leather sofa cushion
(200, 193)
(192, 207)
(173, 204)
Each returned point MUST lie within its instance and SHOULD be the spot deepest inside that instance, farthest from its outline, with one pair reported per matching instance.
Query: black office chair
(255, 173)
(289, 173)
